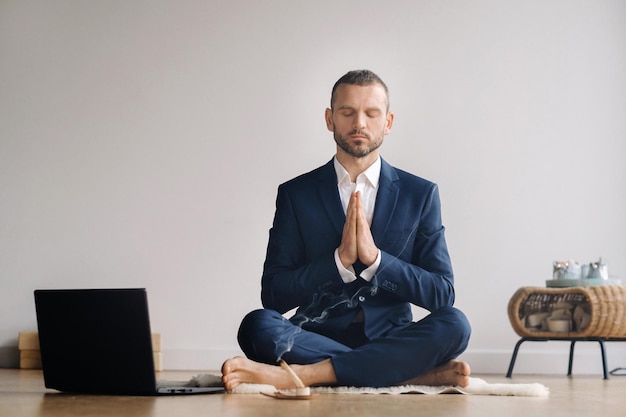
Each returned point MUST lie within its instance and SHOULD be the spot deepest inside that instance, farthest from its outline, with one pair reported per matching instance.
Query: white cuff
(347, 274)
(369, 272)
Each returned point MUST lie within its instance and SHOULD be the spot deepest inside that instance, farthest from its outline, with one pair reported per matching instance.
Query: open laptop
(98, 341)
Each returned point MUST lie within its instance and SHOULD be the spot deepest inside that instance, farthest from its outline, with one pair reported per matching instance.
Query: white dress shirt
(367, 184)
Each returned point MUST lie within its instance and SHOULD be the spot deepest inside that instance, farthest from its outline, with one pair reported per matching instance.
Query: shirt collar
(372, 173)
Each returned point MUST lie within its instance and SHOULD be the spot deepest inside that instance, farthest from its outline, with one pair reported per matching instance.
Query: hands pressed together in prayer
(356, 239)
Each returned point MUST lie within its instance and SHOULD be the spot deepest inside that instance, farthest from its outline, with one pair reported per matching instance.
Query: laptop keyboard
(201, 380)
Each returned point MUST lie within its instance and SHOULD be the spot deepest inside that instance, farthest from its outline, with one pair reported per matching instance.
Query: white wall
(141, 144)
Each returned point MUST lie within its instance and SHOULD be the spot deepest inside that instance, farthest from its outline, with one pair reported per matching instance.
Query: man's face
(359, 119)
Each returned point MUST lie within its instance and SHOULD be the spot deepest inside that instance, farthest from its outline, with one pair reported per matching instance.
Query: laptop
(98, 341)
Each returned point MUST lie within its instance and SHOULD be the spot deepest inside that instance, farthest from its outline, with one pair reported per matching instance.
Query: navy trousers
(402, 354)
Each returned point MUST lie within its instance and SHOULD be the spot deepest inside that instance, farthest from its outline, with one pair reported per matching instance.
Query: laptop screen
(96, 340)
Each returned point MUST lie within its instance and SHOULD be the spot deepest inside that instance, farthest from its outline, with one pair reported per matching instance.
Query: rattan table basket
(605, 304)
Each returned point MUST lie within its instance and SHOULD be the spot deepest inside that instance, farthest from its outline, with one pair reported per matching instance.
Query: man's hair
(359, 77)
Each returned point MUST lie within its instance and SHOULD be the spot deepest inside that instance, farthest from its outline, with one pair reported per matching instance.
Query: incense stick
(292, 374)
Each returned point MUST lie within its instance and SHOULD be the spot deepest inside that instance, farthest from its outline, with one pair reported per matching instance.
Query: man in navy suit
(354, 243)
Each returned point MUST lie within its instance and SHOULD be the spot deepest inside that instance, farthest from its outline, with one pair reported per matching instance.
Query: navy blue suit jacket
(300, 270)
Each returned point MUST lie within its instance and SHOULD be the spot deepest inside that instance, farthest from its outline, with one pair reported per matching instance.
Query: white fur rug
(476, 386)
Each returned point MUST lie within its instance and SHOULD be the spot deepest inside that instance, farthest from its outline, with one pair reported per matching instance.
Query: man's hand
(356, 239)
(348, 251)
(366, 248)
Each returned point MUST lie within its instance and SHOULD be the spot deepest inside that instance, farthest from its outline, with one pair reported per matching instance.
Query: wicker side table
(598, 314)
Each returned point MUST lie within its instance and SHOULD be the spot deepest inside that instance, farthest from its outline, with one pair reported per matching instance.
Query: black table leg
(571, 358)
(514, 357)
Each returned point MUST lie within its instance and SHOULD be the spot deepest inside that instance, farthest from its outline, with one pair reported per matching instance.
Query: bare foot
(240, 370)
(450, 373)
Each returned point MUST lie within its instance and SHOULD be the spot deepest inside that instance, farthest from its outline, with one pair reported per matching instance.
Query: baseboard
(550, 358)
(197, 359)
(533, 358)
(9, 357)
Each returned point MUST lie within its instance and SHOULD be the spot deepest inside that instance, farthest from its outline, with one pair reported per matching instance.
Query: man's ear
(389, 124)
(328, 115)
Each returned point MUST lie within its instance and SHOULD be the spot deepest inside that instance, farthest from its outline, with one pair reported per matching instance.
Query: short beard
(357, 152)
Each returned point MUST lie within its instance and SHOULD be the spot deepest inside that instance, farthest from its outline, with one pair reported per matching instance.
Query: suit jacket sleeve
(415, 264)
(300, 254)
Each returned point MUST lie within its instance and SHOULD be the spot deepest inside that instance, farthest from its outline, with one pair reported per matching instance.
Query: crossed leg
(240, 370)
(399, 355)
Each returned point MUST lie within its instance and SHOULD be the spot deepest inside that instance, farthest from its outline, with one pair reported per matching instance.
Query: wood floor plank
(22, 394)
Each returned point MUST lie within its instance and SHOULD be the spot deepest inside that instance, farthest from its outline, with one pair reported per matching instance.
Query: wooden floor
(22, 393)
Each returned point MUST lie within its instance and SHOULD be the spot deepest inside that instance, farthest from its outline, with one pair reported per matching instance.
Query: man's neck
(355, 166)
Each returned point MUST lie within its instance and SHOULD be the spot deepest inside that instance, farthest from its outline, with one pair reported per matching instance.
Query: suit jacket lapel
(329, 194)
(386, 199)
